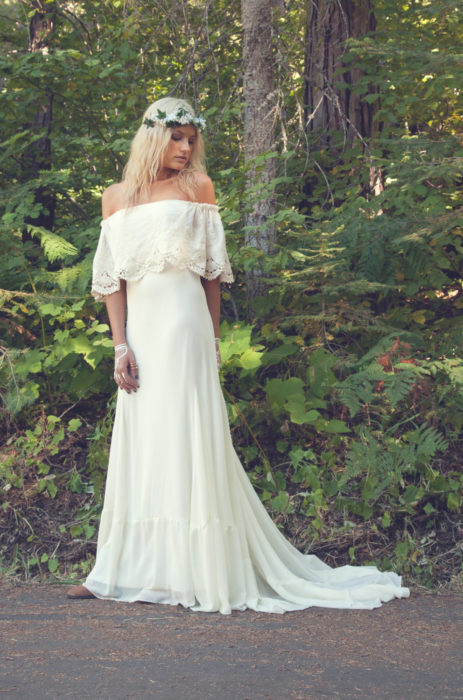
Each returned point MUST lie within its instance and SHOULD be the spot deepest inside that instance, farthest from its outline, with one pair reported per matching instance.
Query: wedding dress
(181, 522)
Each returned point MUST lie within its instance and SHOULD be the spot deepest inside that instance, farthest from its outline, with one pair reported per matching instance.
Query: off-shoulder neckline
(160, 201)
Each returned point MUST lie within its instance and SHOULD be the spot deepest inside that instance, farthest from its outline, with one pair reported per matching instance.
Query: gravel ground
(56, 648)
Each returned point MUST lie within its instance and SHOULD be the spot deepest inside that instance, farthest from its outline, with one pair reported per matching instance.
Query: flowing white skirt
(181, 522)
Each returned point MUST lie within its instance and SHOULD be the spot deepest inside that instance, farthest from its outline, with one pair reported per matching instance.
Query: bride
(181, 523)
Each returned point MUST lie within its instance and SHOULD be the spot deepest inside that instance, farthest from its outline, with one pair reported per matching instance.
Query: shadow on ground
(55, 648)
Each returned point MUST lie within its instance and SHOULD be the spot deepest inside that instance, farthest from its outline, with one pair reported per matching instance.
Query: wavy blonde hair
(148, 149)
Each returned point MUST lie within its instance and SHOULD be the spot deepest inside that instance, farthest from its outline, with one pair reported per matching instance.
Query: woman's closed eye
(179, 138)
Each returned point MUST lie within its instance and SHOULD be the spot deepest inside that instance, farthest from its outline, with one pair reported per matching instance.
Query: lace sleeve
(217, 263)
(105, 279)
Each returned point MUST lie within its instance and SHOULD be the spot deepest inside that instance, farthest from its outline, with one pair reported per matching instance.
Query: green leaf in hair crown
(179, 118)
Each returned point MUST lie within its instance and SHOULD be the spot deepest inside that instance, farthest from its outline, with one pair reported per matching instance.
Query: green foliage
(41, 467)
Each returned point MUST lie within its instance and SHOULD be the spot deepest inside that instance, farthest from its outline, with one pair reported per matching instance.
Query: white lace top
(188, 235)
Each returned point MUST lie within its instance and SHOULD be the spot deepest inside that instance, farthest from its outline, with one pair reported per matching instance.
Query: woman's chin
(179, 165)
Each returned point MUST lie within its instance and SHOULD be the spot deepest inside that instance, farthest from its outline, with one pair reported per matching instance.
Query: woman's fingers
(126, 372)
(130, 383)
(125, 386)
(133, 370)
(120, 379)
(130, 374)
(132, 364)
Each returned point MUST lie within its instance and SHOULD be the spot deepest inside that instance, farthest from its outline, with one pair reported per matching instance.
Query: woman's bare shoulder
(113, 199)
(204, 189)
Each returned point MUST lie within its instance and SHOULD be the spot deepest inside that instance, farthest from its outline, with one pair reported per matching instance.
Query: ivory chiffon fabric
(181, 523)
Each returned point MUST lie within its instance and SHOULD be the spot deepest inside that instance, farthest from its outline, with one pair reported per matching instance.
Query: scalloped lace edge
(104, 283)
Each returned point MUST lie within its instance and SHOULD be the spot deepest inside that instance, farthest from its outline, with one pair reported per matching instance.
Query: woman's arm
(116, 305)
(206, 194)
(212, 291)
(125, 364)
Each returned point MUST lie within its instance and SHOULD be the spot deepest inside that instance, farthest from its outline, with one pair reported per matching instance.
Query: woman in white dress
(181, 523)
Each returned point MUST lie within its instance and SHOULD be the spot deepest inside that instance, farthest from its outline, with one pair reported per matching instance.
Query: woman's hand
(125, 368)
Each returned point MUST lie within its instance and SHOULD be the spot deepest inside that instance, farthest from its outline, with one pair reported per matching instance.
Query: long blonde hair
(147, 153)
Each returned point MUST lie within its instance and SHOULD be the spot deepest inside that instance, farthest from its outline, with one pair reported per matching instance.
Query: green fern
(70, 279)
(55, 247)
(374, 385)
(427, 442)
(381, 461)
(397, 385)
(359, 388)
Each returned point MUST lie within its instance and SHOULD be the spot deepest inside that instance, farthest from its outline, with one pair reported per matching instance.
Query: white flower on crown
(179, 118)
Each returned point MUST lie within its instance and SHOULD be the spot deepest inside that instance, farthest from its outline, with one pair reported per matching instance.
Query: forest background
(335, 144)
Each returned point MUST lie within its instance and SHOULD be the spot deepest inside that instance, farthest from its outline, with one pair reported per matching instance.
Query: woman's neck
(166, 174)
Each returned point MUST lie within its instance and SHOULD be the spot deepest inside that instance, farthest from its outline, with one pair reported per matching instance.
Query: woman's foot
(78, 592)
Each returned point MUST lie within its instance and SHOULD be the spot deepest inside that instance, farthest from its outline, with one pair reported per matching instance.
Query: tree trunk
(259, 129)
(41, 29)
(328, 108)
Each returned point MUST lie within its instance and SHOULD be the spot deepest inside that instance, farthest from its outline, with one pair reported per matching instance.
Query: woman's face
(180, 147)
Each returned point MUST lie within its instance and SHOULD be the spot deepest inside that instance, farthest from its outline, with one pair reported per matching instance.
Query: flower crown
(179, 118)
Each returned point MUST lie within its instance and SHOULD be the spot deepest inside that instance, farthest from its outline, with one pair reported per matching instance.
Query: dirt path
(55, 648)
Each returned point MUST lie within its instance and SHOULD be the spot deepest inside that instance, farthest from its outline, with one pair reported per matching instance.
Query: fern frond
(397, 385)
(428, 441)
(69, 279)
(359, 388)
(55, 247)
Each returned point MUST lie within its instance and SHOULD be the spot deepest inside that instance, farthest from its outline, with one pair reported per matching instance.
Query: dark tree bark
(259, 127)
(328, 109)
(41, 30)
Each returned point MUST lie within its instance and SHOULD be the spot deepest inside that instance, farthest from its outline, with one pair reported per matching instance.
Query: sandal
(79, 592)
